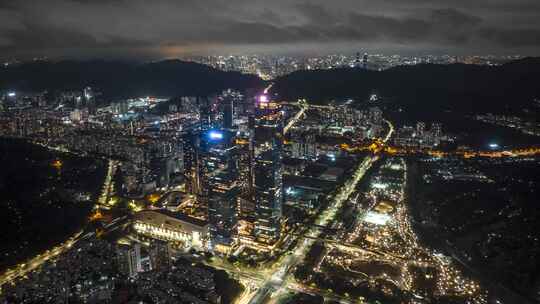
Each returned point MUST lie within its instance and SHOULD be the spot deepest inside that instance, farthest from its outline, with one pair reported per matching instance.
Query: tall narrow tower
(268, 169)
(228, 112)
(218, 170)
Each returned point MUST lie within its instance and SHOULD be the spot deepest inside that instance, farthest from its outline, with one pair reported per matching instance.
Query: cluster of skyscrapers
(225, 164)
(227, 150)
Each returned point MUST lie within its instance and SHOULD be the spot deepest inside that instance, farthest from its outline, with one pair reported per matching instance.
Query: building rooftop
(178, 216)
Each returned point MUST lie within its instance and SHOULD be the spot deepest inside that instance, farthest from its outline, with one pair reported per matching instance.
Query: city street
(281, 280)
(11, 275)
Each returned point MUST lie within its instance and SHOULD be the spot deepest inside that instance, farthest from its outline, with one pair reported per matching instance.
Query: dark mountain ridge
(456, 87)
(123, 79)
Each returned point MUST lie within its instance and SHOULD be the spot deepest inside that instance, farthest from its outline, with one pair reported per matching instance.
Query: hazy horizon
(166, 28)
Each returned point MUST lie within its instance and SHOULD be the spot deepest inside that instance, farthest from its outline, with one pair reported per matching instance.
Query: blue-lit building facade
(267, 169)
(218, 174)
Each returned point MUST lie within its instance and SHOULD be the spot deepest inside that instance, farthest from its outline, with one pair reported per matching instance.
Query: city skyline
(259, 197)
(270, 152)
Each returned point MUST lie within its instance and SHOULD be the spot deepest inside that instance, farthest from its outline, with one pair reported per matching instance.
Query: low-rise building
(188, 232)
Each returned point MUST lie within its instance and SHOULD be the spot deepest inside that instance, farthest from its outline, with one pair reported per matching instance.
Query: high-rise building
(190, 140)
(76, 115)
(420, 128)
(268, 169)
(129, 259)
(436, 129)
(218, 173)
(188, 104)
(88, 93)
(206, 117)
(120, 107)
(160, 256)
(163, 157)
(228, 114)
(244, 144)
(231, 103)
(90, 100)
(304, 146)
(375, 115)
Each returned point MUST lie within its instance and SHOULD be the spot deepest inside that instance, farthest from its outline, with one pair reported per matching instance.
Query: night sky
(173, 28)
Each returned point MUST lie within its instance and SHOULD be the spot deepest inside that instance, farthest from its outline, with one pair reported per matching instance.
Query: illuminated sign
(290, 191)
(263, 98)
(11, 94)
(215, 135)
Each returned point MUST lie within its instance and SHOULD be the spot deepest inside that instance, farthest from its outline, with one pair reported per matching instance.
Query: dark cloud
(500, 6)
(454, 18)
(391, 29)
(511, 37)
(270, 16)
(454, 27)
(68, 26)
(317, 13)
(37, 36)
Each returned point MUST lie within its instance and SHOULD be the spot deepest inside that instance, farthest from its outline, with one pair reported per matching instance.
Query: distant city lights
(11, 94)
(494, 146)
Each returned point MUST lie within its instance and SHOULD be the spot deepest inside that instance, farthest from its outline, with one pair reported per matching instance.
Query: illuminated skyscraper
(245, 144)
(436, 129)
(267, 169)
(375, 115)
(218, 173)
(90, 100)
(190, 162)
(88, 93)
(230, 102)
(228, 113)
(205, 114)
(420, 128)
